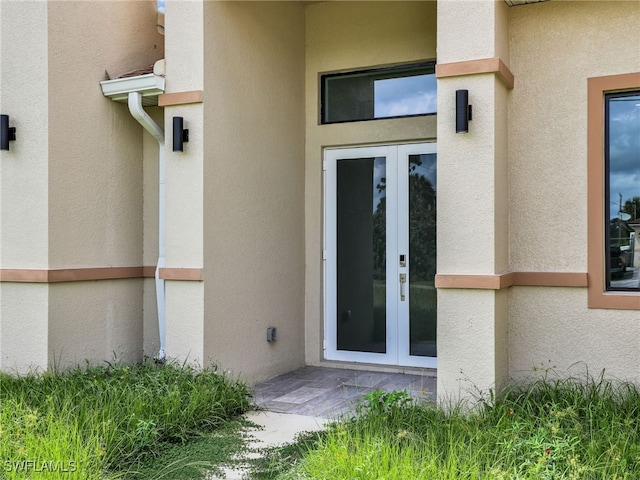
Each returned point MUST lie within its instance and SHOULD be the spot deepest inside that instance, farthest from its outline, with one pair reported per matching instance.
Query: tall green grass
(549, 429)
(101, 421)
(46, 443)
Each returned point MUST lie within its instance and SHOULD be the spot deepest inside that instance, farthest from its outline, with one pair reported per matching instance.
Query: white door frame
(397, 312)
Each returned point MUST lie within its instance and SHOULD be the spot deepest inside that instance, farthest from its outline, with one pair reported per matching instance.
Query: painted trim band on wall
(512, 279)
(179, 98)
(59, 275)
(550, 279)
(475, 67)
(484, 282)
(188, 274)
(489, 282)
(73, 274)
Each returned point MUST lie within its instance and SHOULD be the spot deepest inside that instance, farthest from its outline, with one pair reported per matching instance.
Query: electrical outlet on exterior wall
(271, 334)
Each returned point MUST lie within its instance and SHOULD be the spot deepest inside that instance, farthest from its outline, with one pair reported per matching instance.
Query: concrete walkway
(306, 399)
(273, 429)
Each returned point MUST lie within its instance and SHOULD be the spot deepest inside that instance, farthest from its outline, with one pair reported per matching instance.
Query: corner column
(473, 238)
(184, 53)
(24, 187)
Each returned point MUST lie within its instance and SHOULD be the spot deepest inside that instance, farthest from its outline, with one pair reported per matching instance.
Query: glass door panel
(422, 255)
(361, 254)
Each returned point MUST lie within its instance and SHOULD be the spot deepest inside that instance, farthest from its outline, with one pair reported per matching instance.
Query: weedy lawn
(100, 423)
(549, 429)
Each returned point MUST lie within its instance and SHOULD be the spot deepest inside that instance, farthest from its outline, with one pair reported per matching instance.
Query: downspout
(135, 107)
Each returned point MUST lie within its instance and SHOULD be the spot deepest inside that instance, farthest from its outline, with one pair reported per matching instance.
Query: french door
(380, 254)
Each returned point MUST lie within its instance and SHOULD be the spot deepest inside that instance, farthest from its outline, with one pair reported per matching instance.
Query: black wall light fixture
(463, 111)
(7, 133)
(180, 134)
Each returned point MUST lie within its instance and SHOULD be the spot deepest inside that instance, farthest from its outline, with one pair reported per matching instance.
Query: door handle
(403, 280)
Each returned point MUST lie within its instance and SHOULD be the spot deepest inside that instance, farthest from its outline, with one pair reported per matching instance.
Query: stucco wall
(470, 224)
(551, 328)
(474, 34)
(96, 176)
(95, 148)
(24, 169)
(254, 186)
(473, 216)
(24, 183)
(350, 36)
(24, 334)
(184, 45)
(554, 48)
(72, 194)
(468, 356)
(95, 321)
(548, 121)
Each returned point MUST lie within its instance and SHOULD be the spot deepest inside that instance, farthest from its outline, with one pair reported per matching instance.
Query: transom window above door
(400, 91)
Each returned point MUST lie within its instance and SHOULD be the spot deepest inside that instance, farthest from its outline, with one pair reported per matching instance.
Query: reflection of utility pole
(620, 220)
(620, 204)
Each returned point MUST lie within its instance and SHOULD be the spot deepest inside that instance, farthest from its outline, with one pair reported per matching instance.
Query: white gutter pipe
(135, 107)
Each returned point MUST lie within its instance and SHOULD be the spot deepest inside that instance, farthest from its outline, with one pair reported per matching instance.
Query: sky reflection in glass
(403, 96)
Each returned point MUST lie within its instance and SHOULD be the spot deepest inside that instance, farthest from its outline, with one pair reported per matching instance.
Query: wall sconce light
(180, 135)
(463, 111)
(7, 133)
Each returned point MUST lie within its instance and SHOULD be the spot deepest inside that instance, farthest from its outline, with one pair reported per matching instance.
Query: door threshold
(375, 367)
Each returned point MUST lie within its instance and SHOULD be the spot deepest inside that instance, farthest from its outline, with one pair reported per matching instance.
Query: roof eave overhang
(149, 86)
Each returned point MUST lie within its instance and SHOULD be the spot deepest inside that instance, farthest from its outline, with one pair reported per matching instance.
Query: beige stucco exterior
(548, 217)
(554, 107)
(472, 325)
(254, 186)
(245, 213)
(578, 341)
(71, 188)
(24, 226)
